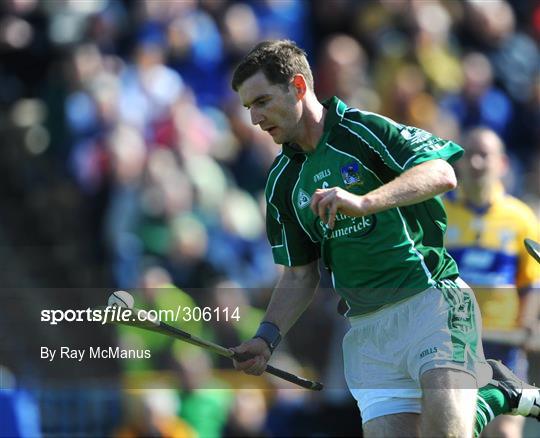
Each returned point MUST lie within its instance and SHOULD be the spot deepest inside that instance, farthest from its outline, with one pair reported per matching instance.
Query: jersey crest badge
(303, 199)
(350, 173)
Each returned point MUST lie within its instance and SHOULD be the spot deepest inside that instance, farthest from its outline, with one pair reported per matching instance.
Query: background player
(486, 228)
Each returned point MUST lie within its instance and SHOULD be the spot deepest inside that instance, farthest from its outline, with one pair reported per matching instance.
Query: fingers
(242, 357)
(325, 204)
(332, 211)
(254, 366)
(251, 357)
(257, 366)
(322, 205)
(315, 198)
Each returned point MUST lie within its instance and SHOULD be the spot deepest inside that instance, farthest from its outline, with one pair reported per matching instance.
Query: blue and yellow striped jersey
(487, 245)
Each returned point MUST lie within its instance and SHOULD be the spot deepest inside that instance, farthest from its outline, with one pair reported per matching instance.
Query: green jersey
(378, 259)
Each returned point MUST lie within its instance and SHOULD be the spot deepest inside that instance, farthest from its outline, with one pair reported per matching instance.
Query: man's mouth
(271, 130)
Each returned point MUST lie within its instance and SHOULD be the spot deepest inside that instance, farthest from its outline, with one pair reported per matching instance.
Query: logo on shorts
(428, 351)
(462, 316)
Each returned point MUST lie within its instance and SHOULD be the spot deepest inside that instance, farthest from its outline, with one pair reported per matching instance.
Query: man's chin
(278, 139)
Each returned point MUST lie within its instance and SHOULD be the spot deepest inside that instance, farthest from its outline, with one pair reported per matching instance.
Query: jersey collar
(335, 111)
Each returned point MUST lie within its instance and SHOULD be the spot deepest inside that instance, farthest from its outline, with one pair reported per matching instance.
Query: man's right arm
(290, 298)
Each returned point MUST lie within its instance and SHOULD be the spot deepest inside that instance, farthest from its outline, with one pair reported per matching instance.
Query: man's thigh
(391, 426)
(448, 403)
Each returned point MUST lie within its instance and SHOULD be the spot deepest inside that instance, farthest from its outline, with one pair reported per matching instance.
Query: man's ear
(300, 87)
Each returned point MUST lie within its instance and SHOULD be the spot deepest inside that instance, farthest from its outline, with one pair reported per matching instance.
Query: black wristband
(269, 333)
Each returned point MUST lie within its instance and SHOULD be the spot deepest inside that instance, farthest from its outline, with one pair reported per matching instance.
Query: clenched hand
(326, 203)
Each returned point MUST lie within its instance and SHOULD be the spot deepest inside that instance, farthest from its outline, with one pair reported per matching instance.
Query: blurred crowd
(128, 103)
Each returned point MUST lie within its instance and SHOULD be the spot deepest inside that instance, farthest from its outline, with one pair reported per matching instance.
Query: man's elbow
(451, 181)
(448, 179)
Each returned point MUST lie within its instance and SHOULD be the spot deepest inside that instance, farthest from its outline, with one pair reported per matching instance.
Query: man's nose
(256, 117)
(477, 162)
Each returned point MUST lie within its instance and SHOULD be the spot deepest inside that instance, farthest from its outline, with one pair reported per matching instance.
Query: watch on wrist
(269, 333)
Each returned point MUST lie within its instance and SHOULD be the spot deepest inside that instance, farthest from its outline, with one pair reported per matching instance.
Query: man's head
(272, 80)
(279, 60)
(485, 161)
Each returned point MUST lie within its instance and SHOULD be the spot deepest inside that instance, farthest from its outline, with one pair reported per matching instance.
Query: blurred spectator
(19, 410)
(343, 72)
(152, 412)
(525, 134)
(188, 254)
(25, 48)
(240, 29)
(485, 236)
(127, 153)
(479, 103)
(248, 414)
(433, 46)
(515, 57)
(205, 399)
(279, 19)
(149, 90)
(107, 27)
(256, 151)
(287, 412)
(90, 111)
(197, 53)
(331, 17)
(407, 100)
(239, 247)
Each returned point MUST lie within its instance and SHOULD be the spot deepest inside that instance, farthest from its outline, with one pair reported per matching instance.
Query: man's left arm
(417, 184)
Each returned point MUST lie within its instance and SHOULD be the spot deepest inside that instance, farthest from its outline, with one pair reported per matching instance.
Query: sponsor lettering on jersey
(356, 226)
(323, 174)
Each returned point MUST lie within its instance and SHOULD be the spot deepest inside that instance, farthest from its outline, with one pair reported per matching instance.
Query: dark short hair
(279, 60)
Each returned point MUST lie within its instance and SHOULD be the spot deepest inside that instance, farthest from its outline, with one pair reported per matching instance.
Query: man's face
(484, 162)
(273, 108)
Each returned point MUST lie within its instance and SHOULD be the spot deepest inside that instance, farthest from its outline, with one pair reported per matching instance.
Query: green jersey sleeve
(290, 244)
(402, 147)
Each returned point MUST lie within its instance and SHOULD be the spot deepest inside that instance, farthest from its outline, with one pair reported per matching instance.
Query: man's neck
(312, 125)
(479, 196)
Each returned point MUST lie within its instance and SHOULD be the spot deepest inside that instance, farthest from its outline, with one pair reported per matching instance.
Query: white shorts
(387, 351)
